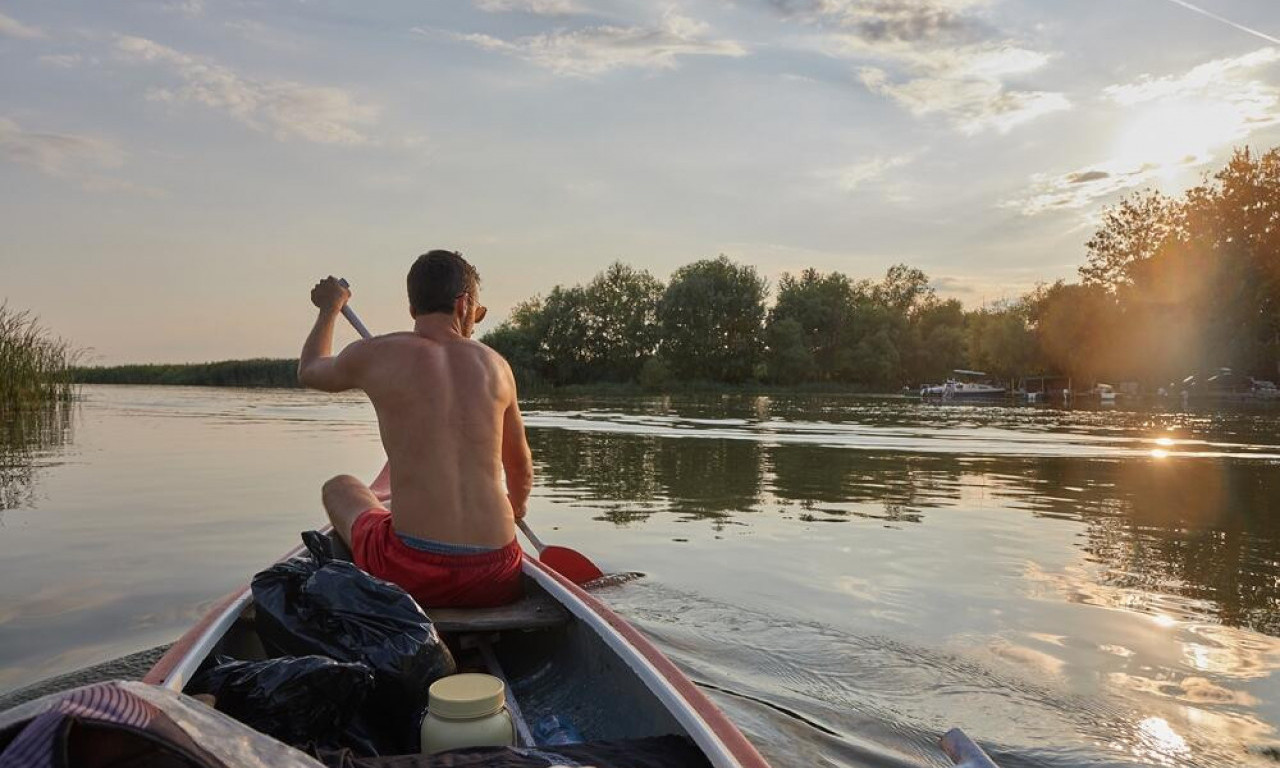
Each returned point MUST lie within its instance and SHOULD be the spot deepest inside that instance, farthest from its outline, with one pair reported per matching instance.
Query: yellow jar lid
(466, 696)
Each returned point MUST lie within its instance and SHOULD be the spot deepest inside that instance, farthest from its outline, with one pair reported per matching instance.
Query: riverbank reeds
(260, 372)
(35, 365)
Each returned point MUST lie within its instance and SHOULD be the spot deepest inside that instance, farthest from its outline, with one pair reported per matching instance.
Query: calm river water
(847, 577)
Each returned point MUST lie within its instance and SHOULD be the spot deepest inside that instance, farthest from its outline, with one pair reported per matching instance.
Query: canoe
(561, 651)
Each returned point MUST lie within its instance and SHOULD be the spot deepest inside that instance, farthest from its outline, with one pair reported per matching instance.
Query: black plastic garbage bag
(298, 700)
(316, 604)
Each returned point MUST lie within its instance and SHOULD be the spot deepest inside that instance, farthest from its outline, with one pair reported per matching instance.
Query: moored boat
(964, 385)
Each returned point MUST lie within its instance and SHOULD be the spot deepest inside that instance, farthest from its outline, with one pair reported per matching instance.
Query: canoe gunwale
(718, 738)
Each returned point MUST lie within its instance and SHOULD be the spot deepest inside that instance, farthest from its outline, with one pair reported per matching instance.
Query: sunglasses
(479, 309)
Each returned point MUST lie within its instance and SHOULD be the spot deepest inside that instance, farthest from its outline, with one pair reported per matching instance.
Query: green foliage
(35, 366)
(712, 316)
(623, 321)
(654, 374)
(1075, 329)
(812, 329)
(1001, 341)
(935, 343)
(601, 331)
(876, 335)
(788, 358)
(258, 372)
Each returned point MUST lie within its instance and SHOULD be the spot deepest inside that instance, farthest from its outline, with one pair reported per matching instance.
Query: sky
(176, 174)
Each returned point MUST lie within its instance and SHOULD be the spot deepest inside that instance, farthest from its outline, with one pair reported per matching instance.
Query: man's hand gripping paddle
(569, 563)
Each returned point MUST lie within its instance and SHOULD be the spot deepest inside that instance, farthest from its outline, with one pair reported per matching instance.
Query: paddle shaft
(537, 543)
(351, 316)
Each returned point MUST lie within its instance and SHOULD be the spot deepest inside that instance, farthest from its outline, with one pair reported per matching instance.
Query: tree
(1000, 340)
(621, 316)
(935, 343)
(903, 289)
(518, 340)
(712, 317)
(1076, 328)
(1131, 232)
(814, 313)
(788, 358)
(1197, 280)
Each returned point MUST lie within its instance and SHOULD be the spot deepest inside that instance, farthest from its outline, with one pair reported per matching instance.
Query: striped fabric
(104, 703)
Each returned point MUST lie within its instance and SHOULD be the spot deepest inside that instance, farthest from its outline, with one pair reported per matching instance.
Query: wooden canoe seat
(536, 610)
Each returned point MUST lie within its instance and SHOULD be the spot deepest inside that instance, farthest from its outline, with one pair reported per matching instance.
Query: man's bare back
(444, 408)
(449, 420)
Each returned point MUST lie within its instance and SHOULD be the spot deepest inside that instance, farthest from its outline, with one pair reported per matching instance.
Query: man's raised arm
(517, 460)
(317, 367)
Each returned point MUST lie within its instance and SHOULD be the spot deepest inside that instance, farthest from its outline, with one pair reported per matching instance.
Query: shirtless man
(451, 428)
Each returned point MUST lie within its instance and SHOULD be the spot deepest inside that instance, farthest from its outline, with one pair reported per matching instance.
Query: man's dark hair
(436, 280)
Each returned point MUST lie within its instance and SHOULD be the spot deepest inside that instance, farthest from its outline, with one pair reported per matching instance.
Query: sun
(1165, 138)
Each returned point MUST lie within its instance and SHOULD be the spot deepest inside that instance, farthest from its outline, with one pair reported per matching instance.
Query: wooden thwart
(534, 611)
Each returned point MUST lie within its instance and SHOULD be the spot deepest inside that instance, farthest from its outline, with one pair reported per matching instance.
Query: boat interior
(552, 663)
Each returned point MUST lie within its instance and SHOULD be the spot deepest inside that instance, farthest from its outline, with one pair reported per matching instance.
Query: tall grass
(35, 365)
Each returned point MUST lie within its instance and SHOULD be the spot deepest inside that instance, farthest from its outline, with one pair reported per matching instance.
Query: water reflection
(25, 436)
(631, 476)
(1193, 524)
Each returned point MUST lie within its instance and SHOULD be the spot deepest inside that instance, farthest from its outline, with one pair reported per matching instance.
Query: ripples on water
(847, 577)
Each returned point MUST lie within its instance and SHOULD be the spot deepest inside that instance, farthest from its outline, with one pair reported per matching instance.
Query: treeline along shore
(260, 372)
(1170, 287)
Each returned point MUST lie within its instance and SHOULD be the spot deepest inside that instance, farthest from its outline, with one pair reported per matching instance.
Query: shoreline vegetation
(35, 365)
(36, 393)
(1172, 290)
(282, 373)
(257, 372)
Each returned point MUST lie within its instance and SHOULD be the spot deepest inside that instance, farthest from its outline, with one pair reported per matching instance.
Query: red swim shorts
(436, 581)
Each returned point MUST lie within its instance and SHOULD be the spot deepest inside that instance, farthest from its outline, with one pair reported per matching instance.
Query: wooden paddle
(569, 563)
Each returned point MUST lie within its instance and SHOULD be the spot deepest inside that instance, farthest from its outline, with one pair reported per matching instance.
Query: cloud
(850, 177)
(932, 57)
(1084, 177)
(11, 27)
(888, 20)
(1080, 189)
(1171, 124)
(65, 156)
(595, 50)
(953, 286)
(286, 109)
(54, 154)
(185, 7)
(1216, 79)
(973, 104)
(539, 7)
(62, 60)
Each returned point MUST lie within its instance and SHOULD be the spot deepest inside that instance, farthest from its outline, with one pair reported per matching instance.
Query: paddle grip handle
(964, 752)
(351, 316)
(537, 544)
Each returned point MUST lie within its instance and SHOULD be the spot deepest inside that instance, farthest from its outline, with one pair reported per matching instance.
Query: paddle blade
(571, 564)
